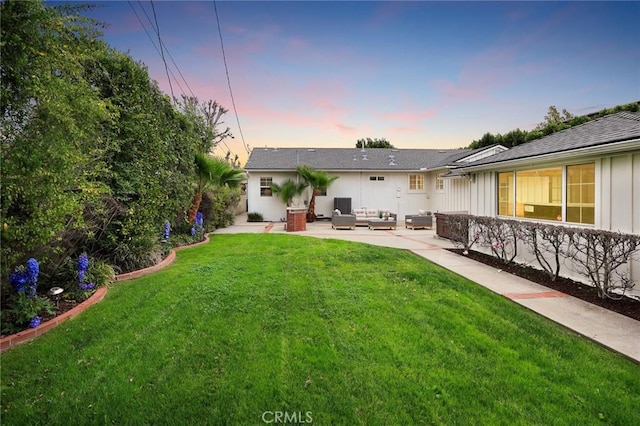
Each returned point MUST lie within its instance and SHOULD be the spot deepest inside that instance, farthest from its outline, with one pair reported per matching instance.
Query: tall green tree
(51, 129)
(149, 159)
(213, 173)
(373, 143)
(319, 181)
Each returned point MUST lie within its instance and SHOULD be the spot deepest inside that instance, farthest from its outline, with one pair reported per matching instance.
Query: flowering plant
(18, 279)
(167, 230)
(86, 287)
(25, 278)
(25, 305)
(83, 265)
(35, 321)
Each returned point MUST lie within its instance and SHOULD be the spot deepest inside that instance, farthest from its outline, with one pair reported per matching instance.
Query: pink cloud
(346, 130)
(410, 117)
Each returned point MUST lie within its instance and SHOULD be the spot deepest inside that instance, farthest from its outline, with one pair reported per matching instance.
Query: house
(402, 180)
(587, 175)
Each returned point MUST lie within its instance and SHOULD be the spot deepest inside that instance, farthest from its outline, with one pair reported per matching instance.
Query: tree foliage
(373, 143)
(319, 181)
(212, 173)
(554, 121)
(51, 129)
(288, 190)
(95, 157)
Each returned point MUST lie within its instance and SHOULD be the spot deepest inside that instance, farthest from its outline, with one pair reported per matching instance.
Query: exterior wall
(483, 201)
(617, 197)
(390, 193)
(455, 197)
(272, 208)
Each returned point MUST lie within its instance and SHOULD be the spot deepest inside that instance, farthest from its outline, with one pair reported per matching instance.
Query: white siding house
(402, 180)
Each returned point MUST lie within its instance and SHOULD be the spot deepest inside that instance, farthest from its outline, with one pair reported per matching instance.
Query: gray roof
(619, 127)
(353, 159)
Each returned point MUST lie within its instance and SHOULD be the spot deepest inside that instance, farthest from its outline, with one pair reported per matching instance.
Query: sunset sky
(420, 74)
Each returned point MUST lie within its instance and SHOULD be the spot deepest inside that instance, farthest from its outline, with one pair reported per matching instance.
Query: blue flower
(83, 265)
(32, 271)
(35, 321)
(167, 230)
(199, 220)
(19, 280)
(193, 231)
(85, 287)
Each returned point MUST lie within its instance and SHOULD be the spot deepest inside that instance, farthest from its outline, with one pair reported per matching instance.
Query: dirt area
(627, 306)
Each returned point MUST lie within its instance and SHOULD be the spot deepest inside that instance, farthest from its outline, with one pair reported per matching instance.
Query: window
(416, 182)
(539, 193)
(439, 182)
(505, 194)
(265, 186)
(376, 177)
(581, 189)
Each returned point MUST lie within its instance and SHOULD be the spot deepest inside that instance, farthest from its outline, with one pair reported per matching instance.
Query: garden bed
(626, 306)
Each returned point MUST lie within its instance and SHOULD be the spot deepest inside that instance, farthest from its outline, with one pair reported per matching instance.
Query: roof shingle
(345, 159)
(622, 126)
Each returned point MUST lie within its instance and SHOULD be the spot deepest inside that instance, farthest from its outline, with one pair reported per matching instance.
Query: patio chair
(343, 221)
(419, 221)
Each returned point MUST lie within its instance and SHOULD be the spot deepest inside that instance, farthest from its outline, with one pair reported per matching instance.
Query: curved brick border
(13, 340)
(150, 270)
(9, 342)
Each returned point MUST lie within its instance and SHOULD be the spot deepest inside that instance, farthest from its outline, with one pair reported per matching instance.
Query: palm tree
(212, 173)
(288, 190)
(319, 181)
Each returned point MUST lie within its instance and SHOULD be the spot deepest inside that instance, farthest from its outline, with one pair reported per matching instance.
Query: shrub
(218, 207)
(464, 230)
(501, 236)
(254, 217)
(600, 254)
(546, 240)
(100, 273)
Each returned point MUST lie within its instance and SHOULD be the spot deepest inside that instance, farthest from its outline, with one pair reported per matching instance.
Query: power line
(151, 39)
(168, 70)
(224, 58)
(166, 67)
(166, 49)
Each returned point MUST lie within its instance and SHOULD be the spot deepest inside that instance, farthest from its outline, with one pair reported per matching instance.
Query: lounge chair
(343, 221)
(419, 221)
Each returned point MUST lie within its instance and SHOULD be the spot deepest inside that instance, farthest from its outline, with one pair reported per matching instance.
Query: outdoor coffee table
(382, 223)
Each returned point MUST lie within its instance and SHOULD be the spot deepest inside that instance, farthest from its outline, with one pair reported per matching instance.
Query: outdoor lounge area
(371, 218)
(365, 215)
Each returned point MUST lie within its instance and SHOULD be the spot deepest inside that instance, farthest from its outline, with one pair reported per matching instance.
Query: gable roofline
(350, 159)
(609, 148)
(612, 133)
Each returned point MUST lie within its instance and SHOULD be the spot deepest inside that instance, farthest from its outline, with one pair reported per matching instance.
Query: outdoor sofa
(422, 220)
(364, 215)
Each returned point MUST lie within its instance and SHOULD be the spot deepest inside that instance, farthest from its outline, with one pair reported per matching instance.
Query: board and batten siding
(617, 199)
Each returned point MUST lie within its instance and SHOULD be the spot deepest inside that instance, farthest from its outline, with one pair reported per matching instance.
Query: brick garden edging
(27, 335)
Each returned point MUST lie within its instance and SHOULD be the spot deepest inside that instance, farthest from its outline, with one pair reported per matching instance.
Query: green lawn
(351, 333)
